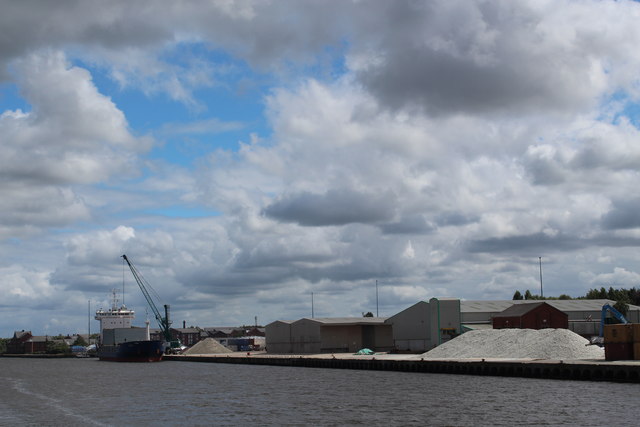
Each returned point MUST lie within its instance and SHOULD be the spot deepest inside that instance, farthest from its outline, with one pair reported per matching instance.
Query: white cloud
(619, 278)
(439, 147)
(72, 135)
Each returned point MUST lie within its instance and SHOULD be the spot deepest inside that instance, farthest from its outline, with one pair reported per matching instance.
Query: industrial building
(538, 315)
(329, 335)
(426, 325)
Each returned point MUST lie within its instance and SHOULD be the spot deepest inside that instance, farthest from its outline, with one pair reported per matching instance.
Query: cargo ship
(132, 351)
(121, 342)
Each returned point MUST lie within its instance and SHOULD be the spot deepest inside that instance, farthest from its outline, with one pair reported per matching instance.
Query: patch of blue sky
(632, 111)
(227, 105)
(10, 99)
(623, 106)
(332, 62)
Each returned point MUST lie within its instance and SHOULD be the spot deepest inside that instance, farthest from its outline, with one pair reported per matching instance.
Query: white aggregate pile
(556, 344)
(207, 346)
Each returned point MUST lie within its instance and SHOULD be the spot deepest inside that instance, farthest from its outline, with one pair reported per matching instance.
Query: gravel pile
(557, 344)
(207, 346)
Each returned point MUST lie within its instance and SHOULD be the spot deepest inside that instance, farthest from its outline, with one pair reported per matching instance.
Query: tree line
(623, 297)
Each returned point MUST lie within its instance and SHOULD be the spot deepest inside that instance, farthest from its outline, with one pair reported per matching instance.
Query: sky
(266, 159)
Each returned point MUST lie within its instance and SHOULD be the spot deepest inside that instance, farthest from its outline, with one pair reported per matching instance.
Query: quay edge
(578, 370)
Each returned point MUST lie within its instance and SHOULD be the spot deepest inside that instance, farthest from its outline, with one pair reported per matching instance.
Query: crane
(163, 322)
(607, 308)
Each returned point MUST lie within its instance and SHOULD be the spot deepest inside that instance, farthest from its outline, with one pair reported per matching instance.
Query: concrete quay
(581, 370)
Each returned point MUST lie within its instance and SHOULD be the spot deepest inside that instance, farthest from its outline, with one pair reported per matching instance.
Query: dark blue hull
(132, 351)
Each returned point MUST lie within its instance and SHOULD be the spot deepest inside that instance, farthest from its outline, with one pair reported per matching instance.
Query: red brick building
(23, 342)
(536, 315)
(187, 336)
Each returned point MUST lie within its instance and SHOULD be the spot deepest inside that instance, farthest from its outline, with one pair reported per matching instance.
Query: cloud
(336, 207)
(73, 135)
(619, 278)
(412, 224)
(527, 243)
(439, 147)
(489, 57)
(622, 215)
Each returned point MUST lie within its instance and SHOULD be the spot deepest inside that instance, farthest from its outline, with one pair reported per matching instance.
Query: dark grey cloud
(540, 243)
(482, 58)
(624, 214)
(455, 219)
(535, 243)
(439, 56)
(544, 170)
(411, 224)
(335, 207)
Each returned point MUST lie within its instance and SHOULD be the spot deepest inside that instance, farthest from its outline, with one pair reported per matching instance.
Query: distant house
(538, 315)
(23, 342)
(219, 332)
(187, 336)
(254, 332)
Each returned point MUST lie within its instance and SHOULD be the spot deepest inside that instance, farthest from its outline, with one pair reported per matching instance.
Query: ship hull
(132, 351)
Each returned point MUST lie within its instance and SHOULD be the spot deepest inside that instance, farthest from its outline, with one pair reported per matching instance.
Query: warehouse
(583, 314)
(278, 336)
(538, 315)
(426, 325)
(329, 335)
(411, 331)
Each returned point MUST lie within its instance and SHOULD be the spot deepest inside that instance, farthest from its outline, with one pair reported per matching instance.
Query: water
(88, 392)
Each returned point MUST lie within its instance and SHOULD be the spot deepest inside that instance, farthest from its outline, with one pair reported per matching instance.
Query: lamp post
(377, 313)
(541, 293)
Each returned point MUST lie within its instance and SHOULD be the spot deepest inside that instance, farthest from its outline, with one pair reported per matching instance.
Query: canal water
(87, 392)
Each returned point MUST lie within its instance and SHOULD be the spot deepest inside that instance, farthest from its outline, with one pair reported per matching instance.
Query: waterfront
(90, 392)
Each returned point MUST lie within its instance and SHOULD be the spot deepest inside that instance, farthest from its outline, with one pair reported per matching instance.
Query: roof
(336, 321)
(187, 330)
(20, 334)
(485, 306)
(477, 326)
(41, 338)
(518, 310)
(562, 305)
(279, 322)
(225, 329)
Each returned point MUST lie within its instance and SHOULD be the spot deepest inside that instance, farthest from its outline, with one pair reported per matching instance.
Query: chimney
(184, 324)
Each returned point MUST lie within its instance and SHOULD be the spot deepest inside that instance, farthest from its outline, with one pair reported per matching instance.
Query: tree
(80, 341)
(527, 295)
(622, 307)
(517, 296)
(564, 296)
(368, 314)
(57, 347)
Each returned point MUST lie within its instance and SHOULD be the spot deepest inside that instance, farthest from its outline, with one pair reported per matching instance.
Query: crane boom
(163, 322)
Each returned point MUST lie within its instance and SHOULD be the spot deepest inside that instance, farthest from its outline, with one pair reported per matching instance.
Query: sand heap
(207, 346)
(557, 344)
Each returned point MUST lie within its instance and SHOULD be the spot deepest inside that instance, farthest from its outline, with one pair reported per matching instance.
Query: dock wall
(544, 369)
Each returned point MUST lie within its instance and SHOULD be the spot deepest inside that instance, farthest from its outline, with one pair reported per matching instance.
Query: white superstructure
(115, 317)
